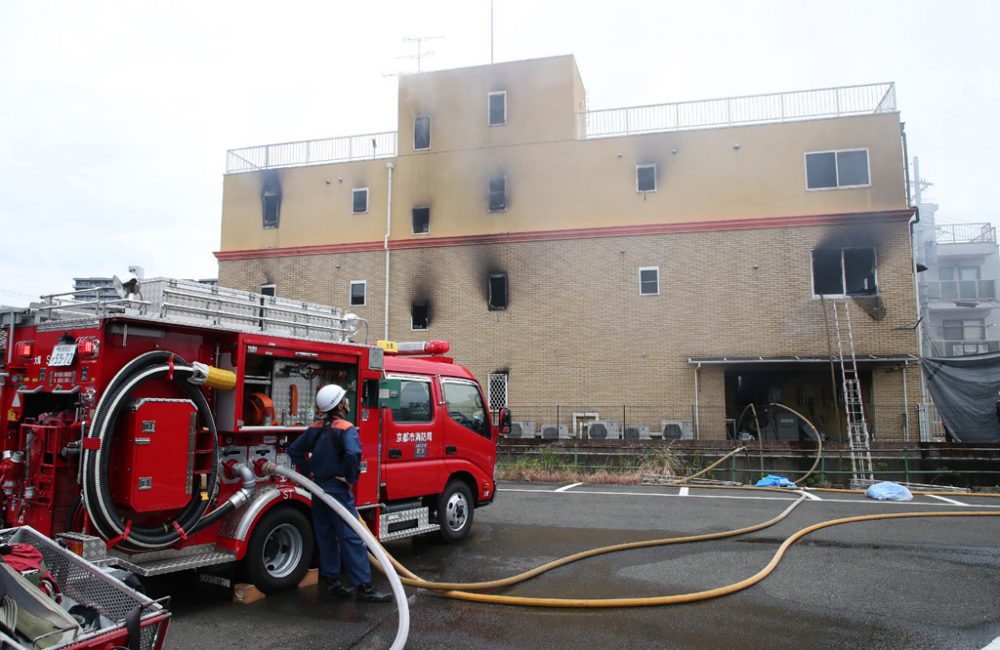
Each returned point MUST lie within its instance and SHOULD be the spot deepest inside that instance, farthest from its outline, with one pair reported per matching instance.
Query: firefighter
(330, 450)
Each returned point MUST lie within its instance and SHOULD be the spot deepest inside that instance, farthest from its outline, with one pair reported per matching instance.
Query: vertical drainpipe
(697, 411)
(923, 429)
(388, 229)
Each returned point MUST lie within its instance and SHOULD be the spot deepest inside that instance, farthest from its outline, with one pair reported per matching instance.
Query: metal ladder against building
(857, 427)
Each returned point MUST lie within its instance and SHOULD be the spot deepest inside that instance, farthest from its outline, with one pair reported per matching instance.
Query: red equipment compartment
(153, 460)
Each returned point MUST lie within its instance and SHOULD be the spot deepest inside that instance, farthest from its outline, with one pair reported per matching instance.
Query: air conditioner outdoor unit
(677, 429)
(554, 432)
(636, 433)
(603, 431)
(523, 429)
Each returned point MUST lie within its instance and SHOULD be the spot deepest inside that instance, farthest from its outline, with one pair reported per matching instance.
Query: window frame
(843, 273)
(485, 424)
(427, 317)
(506, 193)
(489, 107)
(364, 293)
(421, 379)
(649, 268)
(270, 198)
(836, 167)
(506, 291)
(413, 220)
(416, 119)
(354, 192)
(638, 189)
(269, 285)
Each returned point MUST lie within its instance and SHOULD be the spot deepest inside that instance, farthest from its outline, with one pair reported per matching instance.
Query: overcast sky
(116, 116)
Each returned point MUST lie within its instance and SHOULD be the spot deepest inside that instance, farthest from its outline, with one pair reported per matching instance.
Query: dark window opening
(271, 202)
(498, 108)
(268, 289)
(844, 271)
(497, 291)
(422, 132)
(419, 316)
(645, 178)
(359, 200)
(498, 193)
(358, 293)
(649, 281)
(421, 221)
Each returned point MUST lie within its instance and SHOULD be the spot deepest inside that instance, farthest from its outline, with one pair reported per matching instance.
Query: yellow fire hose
(465, 591)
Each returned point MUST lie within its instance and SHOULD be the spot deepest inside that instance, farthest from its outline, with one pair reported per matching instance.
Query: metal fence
(618, 424)
(312, 152)
(965, 233)
(732, 111)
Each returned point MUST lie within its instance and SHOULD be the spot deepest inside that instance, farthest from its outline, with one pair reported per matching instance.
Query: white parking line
(995, 645)
(947, 500)
(567, 487)
(683, 492)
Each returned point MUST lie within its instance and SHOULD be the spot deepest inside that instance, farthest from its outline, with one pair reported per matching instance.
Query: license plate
(62, 355)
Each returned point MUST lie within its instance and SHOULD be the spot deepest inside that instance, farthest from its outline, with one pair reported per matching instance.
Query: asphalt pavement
(891, 584)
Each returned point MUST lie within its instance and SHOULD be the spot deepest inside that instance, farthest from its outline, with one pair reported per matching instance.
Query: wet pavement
(906, 583)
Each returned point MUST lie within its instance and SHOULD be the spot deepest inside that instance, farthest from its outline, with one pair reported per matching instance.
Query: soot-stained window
(419, 316)
(498, 193)
(844, 271)
(421, 221)
(359, 200)
(497, 291)
(422, 132)
(645, 178)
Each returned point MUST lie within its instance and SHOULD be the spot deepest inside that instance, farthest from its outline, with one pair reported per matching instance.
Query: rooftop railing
(730, 111)
(734, 111)
(966, 233)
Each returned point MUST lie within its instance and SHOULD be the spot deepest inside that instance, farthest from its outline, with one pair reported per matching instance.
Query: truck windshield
(465, 406)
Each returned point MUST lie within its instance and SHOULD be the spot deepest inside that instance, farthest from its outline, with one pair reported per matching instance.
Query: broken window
(498, 108)
(645, 178)
(268, 289)
(422, 132)
(498, 193)
(835, 169)
(497, 291)
(419, 316)
(421, 221)
(649, 281)
(271, 202)
(359, 200)
(359, 293)
(844, 271)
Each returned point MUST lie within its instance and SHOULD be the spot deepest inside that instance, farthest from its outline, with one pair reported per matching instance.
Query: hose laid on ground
(463, 591)
(374, 547)
(104, 514)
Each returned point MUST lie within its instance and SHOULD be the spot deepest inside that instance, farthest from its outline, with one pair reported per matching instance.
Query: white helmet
(328, 397)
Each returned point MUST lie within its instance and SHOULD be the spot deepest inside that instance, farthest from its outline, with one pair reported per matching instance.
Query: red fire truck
(145, 420)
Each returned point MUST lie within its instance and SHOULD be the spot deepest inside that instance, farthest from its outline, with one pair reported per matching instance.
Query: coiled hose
(104, 515)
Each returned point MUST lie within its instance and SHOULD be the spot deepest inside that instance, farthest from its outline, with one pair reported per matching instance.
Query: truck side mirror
(505, 420)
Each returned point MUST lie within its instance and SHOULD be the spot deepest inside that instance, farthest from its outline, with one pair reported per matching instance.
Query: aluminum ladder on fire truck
(857, 426)
(204, 305)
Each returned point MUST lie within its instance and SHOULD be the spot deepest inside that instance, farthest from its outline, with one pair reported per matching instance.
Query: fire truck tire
(454, 511)
(280, 550)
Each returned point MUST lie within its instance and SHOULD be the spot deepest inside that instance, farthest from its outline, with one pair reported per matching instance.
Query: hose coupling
(212, 377)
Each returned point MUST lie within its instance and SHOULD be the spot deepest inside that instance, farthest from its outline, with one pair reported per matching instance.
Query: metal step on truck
(144, 420)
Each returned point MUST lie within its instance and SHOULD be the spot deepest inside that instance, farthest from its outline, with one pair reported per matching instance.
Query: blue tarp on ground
(773, 480)
(888, 491)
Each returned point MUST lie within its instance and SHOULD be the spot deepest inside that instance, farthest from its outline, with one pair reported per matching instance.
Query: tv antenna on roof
(419, 40)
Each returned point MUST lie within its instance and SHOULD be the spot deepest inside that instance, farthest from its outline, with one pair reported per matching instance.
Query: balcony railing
(312, 152)
(966, 233)
(959, 290)
(732, 111)
(964, 348)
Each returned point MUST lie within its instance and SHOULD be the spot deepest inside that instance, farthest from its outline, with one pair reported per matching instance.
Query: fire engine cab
(146, 420)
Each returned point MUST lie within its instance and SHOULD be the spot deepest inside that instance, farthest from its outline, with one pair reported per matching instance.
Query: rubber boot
(369, 594)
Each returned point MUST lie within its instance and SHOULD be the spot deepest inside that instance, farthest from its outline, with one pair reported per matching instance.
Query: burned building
(655, 266)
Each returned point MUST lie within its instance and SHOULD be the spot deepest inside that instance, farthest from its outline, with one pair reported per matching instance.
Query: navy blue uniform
(335, 465)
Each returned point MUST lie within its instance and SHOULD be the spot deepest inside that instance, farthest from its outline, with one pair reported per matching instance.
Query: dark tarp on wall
(965, 391)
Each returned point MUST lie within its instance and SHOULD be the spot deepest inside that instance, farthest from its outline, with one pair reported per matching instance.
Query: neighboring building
(958, 290)
(647, 267)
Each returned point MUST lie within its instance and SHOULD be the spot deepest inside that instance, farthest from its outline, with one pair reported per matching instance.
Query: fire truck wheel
(454, 513)
(280, 550)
